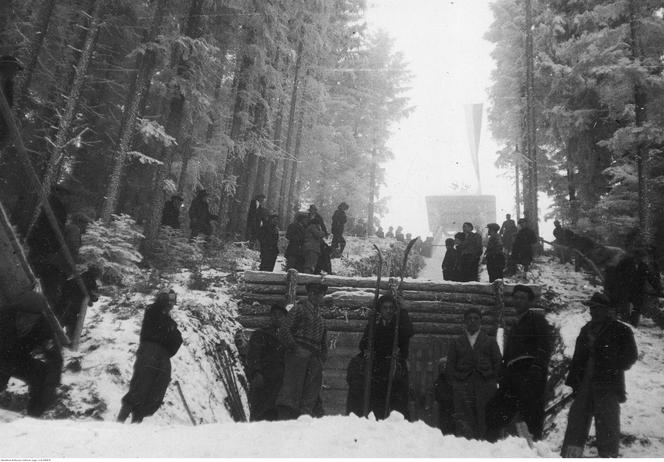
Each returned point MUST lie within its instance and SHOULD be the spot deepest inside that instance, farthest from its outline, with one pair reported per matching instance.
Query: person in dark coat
(29, 350)
(390, 232)
(265, 367)
(562, 237)
(398, 235)
(313, 214)
(469, 254)
(450, 261)
(525, 367)
(268, 236)
(495, 258)
(295, 248)
(380, 234)
(383, 339)
(45, 251)
(339, 220)
(160, 340)
(625, 283)
(171, 215)
(444, 394)
(256, 218)
(507, 232)
(9, 67)
(473, 365)
(71, 299)
(304, 337)
(324, 263)
(355, 381)
(605, 349)
(522, 249)
(312, 247)
(200, 217)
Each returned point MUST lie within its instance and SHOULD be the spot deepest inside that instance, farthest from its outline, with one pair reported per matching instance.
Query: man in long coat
(605, 349)
(473, 364)
(524, 370)
(507, 232)
(268, 236)
(495, 258)
(295, 248)
(382, 354)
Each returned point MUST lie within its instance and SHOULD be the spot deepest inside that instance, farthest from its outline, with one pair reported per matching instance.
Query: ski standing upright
(395, 339)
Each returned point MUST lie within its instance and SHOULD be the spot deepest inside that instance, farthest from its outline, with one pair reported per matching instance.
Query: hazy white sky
(443, 43)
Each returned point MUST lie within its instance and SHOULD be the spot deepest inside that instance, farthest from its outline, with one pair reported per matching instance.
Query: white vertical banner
(474, 130)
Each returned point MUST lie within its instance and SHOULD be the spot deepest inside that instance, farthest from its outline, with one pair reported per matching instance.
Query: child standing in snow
(160, 340)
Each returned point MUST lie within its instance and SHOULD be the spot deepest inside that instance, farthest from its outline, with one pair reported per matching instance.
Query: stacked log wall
(436, 310)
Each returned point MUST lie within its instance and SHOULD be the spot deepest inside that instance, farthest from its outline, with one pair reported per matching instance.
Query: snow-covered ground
(642, 416)
(306, 437)
(97, 376)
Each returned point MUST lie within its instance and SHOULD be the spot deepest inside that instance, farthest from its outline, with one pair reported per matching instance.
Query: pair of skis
(368, 367)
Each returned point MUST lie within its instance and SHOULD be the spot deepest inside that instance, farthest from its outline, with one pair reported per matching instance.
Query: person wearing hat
(200, 217)
(495, 258)
(295, 247)
(382, 354)
(304, 337)
(339, 220)
(525, 364)
(473, 364)
(160, 340)
(522, 249)
(449, 265)
(265, 366)
(257, 217)
(314, 215)
(268, 236)
(605, 349)
(469, 254)
(29, 350)
(507, 232)
(625, 283)
(171, 215)
(312, 247)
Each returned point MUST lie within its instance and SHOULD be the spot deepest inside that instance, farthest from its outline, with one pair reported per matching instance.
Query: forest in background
(599, 99)
(126, 102)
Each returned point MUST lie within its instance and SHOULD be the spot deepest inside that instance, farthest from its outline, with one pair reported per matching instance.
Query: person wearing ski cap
(265, 366)
(382, 354)
(495, 258)
(524, 368)
(29, 350)
(160, 340)
(605, 349)
(304, 337)
(473, 364)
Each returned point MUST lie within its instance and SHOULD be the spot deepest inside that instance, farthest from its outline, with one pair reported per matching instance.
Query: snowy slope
(97, 376)
(306, 437)
(642, 416)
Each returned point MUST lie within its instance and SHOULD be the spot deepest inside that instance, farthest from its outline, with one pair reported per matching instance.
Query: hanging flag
(474, 128)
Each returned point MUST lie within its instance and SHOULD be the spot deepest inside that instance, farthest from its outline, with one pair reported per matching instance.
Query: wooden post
(291, 286)
(499, 292)
(6, 113)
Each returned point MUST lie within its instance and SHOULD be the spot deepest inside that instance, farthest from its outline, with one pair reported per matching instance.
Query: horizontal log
(301, 289)
(263, 277)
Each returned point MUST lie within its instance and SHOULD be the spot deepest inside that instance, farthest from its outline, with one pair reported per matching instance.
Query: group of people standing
(200, 217)
(285, 361)
(507, 246)
(482, 394)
